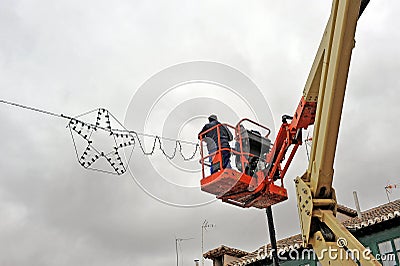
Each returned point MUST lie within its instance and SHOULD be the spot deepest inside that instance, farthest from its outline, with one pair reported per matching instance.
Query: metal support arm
(326, 86)
(346, 250)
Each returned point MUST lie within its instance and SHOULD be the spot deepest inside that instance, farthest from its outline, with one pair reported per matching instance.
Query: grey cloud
(73, 56)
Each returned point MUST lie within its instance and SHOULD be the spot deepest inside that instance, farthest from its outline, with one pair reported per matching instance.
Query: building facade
(378, 229)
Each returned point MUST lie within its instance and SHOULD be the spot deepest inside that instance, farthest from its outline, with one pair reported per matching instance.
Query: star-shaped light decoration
(98, 146)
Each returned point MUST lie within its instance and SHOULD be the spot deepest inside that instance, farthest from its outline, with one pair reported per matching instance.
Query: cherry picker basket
(246, 184)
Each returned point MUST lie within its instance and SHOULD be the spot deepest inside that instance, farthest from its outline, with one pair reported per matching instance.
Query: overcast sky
(73, 56)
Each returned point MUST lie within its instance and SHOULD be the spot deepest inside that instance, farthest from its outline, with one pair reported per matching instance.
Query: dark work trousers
(226, 160)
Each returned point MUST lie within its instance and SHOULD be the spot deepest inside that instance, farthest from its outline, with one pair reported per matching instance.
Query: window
(397, 243)
(388, 251)
(397, 247)
(385, 247)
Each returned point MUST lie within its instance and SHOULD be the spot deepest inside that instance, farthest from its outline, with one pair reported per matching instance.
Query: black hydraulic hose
(363, 5)
(272, 235)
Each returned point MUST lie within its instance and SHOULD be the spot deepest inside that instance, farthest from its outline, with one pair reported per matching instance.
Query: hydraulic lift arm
(321, 105)
(326, 86)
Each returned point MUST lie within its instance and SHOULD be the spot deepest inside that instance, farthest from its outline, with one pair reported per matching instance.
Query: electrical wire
(33, 109)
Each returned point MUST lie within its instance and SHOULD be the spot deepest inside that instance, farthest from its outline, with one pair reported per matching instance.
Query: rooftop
(222, 250)
(375, 215)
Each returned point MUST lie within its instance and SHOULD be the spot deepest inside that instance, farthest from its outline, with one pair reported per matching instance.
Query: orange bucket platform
(243, 190)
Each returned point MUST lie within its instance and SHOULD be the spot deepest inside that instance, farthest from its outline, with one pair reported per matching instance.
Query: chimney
(196, 262)
(357, 204)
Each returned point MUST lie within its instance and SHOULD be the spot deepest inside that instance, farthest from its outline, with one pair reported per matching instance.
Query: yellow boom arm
(326, 85)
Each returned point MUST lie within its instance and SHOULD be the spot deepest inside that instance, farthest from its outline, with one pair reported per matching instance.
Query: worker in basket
(211, 138)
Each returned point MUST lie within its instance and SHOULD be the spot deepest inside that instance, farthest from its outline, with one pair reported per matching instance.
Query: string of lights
(122, 138)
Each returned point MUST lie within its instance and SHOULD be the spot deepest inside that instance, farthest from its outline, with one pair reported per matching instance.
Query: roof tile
(222, 250)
